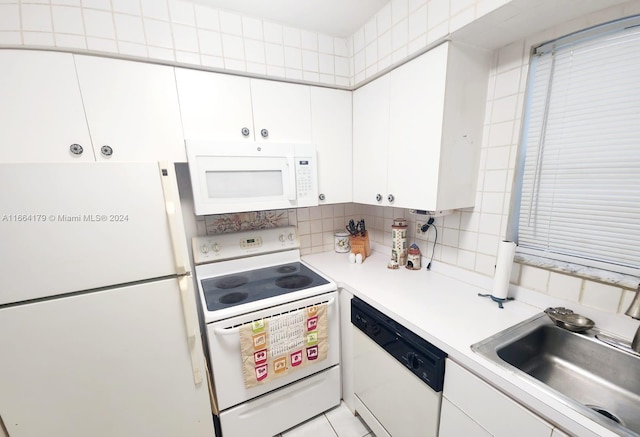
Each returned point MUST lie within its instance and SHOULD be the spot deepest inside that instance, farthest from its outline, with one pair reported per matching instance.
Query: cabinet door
(370, 142)
(214, 106)
(132, 107)
(40, 108)
(478, 400)
(283, 109)
(415, 129)
(454, 423)
(331, 133)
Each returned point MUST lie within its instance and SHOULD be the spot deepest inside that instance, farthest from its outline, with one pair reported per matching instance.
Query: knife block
(360, 245)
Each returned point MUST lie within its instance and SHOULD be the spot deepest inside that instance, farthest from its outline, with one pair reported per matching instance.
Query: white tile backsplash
(158, 33)
(601, 296)
(155, 9)
(39, 39)
(126, 7)
(10, 18)
(99, 24)
(252, 28)
(210, 42)
(67, 20)
(230, 23)
(565, 287)
(36, 18)
(97, 4)
(309, 40)
(129, 28)
(185, 38)
(255, 51)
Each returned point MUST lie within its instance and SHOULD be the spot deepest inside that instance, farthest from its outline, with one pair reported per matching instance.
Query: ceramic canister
(399, 241)
(341, 242)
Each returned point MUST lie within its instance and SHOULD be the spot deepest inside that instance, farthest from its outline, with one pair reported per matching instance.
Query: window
(578, 193)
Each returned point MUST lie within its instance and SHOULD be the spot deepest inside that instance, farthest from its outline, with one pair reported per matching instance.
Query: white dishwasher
(398, 376)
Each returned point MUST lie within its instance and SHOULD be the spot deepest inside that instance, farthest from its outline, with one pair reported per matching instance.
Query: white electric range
(252, 276)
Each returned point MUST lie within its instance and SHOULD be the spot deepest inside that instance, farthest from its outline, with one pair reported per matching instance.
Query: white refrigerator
(99, 332)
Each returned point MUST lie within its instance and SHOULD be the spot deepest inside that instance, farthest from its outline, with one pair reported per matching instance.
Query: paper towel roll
(504, 263)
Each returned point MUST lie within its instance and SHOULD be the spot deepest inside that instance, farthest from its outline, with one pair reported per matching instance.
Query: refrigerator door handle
(191, 325)
(181, 259)
(174, 217)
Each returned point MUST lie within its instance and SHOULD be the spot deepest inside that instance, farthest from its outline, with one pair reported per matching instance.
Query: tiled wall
(405, 27)
(469, 238)
(179, 31)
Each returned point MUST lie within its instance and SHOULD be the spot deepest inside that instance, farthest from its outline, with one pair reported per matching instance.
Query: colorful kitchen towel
(275, 346)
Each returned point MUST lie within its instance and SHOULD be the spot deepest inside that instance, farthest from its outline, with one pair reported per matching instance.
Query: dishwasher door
(400, 402)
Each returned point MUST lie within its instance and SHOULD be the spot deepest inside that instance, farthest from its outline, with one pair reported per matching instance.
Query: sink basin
(598, 380)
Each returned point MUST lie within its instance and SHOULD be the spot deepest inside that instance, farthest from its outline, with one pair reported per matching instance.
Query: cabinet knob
(378, 197)
(264, 133)
(390, 198)
(76, 149)
(245, 132)
(321, 196)
(106, 150)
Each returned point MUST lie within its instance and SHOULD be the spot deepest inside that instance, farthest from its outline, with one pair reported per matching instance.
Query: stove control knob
(204, 248)
(216, 247)
(281, 238)
(290, 236)
(413, 361)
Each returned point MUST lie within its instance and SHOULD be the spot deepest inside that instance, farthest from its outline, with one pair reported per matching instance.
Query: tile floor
(338, 422)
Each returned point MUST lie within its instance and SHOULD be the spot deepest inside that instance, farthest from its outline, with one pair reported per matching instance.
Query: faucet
(634, 312)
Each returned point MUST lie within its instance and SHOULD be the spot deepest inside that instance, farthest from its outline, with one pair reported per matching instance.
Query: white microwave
(236, 177)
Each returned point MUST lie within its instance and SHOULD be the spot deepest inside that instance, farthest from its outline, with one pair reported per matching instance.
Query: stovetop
(225, 291)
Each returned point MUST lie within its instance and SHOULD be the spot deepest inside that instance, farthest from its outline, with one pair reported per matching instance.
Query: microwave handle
(291, 162)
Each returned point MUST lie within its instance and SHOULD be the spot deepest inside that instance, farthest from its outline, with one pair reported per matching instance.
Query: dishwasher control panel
(418, 355)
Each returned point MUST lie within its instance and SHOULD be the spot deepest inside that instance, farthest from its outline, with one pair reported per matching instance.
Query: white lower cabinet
(480, 410)
(346, 348)
(453, 422)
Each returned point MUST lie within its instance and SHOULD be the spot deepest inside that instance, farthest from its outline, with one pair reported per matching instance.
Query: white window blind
(580, 186)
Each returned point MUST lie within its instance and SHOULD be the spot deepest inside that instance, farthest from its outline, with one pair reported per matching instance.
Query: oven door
(227, 361)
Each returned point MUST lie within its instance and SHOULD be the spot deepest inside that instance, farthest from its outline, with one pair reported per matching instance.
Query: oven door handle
(235, 330)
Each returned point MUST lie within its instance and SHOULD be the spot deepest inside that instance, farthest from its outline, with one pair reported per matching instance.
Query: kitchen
(469, 237)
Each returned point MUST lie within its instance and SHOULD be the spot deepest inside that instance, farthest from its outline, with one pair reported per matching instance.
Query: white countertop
(443, 307)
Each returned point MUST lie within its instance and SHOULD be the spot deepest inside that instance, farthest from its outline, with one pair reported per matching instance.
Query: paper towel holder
(504, 263)
(498, 300)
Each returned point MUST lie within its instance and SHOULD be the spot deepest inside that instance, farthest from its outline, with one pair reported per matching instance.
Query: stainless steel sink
(598, 380)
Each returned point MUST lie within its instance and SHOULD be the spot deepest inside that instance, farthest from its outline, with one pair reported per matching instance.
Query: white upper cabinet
(331, 131)
(215, 106)
(132, 109)
(221, 107)
(281, 111)
(417, 90)
(418, 131)
(41, 109)
(371, 142)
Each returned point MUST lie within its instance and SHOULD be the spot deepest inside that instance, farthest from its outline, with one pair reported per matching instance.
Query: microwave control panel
(306, 182)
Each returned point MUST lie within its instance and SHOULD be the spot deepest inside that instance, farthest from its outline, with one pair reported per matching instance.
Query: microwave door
(235, 184)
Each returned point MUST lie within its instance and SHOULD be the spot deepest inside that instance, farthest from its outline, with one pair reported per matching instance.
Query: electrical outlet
(419, 234)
